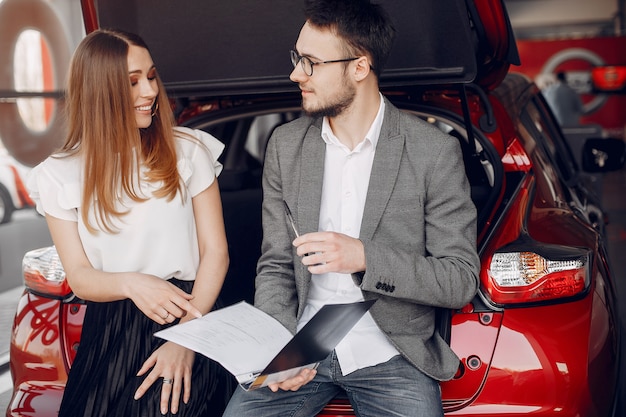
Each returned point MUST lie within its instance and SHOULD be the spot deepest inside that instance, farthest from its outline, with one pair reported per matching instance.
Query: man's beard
(335, 108)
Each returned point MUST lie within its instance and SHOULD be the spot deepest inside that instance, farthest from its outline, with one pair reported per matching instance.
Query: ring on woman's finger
(167, 380)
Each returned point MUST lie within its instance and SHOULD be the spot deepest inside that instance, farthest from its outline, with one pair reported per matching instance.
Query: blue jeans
(393, 388)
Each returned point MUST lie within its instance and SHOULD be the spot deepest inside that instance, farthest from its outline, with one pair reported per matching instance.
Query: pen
(290, 218)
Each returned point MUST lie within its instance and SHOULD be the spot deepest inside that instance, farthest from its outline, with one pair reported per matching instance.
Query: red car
(13, 194)
(542, 335)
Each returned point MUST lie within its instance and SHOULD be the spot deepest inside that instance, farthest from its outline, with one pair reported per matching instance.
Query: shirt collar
(372, 134)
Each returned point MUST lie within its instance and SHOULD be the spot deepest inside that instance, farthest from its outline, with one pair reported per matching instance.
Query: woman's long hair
(102, 128)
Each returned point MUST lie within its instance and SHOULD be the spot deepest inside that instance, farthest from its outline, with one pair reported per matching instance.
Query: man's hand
(331, 252)
(294, 384)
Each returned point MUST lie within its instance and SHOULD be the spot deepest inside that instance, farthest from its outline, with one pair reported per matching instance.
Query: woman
(134, 210)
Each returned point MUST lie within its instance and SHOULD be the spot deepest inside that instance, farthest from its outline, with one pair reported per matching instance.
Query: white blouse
(157, 236)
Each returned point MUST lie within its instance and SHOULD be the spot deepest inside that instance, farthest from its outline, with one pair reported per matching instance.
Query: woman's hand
(160, 300)
(171, 366)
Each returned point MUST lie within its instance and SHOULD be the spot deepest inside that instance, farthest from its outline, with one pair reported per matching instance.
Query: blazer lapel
(311, 180)
(384, 171)
(309, 199)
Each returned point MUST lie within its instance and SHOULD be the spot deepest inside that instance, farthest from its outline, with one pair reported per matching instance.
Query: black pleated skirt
(116, 340)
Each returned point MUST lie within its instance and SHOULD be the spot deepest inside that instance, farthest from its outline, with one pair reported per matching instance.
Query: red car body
(549, 346)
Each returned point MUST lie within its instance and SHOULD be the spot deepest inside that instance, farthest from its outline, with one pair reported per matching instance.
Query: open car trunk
(242, 46)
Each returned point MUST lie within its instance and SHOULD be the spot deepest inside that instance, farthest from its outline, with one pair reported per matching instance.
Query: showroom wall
(571, 18)
(37, 38)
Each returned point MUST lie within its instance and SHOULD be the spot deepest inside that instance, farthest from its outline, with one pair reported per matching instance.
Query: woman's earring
(156, 108)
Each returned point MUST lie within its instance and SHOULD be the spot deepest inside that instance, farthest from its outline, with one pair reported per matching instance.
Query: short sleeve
(197, 163)
(55, 188)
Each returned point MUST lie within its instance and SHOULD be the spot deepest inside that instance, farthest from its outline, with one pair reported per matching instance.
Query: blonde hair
(102, 128)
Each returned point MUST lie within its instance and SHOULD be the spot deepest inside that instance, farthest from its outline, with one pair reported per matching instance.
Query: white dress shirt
(346, 179)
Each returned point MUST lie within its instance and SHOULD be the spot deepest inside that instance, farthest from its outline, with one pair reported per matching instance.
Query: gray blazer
(418, 230)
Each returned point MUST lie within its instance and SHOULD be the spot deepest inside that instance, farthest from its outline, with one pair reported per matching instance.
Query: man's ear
(362, 68)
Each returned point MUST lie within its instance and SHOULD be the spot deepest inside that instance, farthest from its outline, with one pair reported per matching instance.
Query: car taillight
(549, 273)
(44, 274)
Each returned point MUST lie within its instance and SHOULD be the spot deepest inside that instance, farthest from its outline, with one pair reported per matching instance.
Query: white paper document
(256, 348)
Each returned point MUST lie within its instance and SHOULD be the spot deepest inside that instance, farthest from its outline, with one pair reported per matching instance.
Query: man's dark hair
(365, 27)
(561, 76)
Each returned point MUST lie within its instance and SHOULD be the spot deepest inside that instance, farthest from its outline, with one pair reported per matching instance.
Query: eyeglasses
(307, 64)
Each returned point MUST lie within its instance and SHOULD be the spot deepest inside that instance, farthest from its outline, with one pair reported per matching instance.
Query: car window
(537, 120)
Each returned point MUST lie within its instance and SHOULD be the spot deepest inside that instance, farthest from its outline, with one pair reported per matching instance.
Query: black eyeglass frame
(295, 58)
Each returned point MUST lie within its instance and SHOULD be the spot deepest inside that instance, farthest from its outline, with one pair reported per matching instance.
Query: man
(383, 213)
(564, 101)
